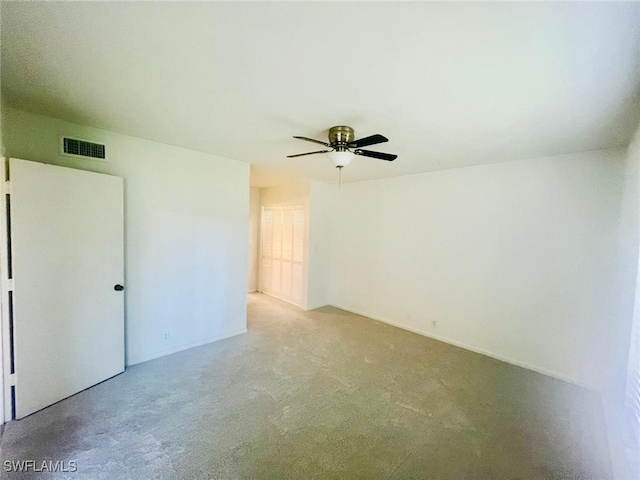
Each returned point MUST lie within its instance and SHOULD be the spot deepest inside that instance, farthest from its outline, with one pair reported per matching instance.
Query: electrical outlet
(407, 317)
(166, 336)
(434, 323)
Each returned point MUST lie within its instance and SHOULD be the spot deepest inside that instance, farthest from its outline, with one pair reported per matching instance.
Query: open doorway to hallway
(278, 233)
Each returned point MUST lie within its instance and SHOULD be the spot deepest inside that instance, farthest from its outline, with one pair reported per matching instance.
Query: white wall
(516, 260)
(298, 193)
(254, 238)
(622, 419)
(322, 208)
(626, 288)
(186, 231)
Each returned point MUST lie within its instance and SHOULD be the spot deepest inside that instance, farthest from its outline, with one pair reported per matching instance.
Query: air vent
(74, 147)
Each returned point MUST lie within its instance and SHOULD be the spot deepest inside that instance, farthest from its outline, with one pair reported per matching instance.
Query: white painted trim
(5, 384)
(294, 304)
(187, 346)
(471, 348)
(313, 307)
(283, 299)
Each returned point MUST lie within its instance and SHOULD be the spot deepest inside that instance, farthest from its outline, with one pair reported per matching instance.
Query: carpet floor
(320, 394)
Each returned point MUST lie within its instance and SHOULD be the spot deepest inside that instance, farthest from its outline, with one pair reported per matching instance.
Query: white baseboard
(471, 348)
(169, 351)
(283, 299)
(313, 307)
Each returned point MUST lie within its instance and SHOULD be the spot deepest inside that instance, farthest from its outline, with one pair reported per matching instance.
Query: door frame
(8, 379)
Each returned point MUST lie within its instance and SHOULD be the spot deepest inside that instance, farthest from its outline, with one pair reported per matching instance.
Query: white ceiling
(450, 84)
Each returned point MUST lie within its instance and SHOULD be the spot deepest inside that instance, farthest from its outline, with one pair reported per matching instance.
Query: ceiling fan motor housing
(340, 137)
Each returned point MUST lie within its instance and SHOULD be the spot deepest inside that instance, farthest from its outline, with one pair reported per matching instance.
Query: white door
(67, 259)
(283, 252)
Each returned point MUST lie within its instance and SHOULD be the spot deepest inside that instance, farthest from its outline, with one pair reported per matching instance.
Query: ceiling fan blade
(310, 153)
(366, 141)
(379, 155)
(312, 140)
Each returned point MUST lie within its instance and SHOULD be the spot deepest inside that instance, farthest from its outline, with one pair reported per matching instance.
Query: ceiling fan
(343, 146)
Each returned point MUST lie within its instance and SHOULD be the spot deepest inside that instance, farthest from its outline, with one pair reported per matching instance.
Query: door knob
(118, 288)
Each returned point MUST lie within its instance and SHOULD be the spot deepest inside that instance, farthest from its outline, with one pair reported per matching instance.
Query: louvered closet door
(283, 252)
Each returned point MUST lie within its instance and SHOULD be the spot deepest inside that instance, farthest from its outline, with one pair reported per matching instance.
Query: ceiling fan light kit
(340, 159)
(343, 146)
